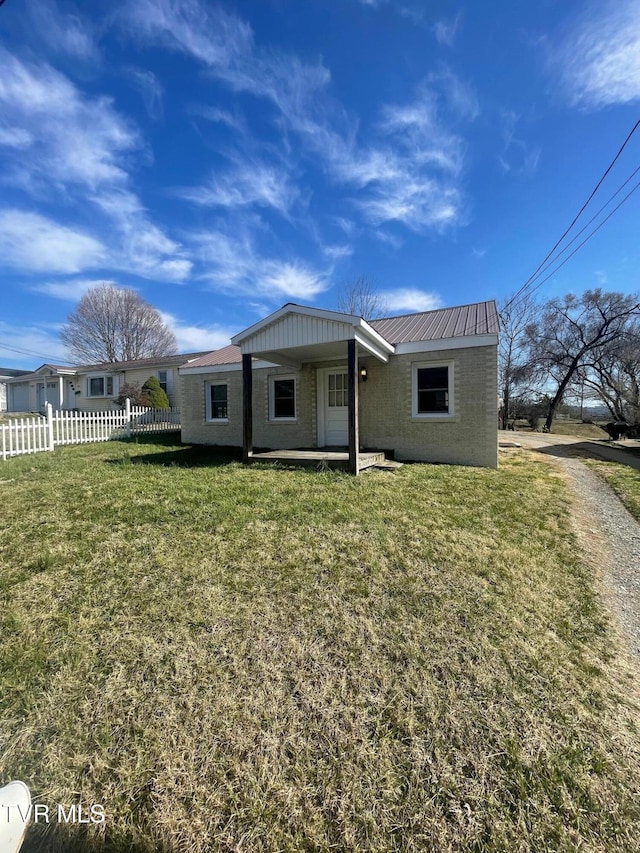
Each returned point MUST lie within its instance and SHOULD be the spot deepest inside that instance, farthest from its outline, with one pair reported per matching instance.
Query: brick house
(420, 387)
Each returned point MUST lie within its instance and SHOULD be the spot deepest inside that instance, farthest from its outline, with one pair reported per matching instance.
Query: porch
(336, 459)
(296, 337)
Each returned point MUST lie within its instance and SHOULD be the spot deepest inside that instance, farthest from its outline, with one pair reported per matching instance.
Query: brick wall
(469, 437)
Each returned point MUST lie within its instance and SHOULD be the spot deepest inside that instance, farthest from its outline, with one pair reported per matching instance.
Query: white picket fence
(32, 435)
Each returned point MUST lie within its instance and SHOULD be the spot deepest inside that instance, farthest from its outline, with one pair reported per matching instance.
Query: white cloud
(517, 157)
(235, 266)
(599, 59)
(143, 248)
(28, 347)
(197, 338)
(15, 137)
(31, 242)
(409, 299)
(79, 147)
(209, 34)
(151, 90)
(69, 291)
(410, 171)
(75, 140)
(63, 32)
(249, 182)
(446, 31)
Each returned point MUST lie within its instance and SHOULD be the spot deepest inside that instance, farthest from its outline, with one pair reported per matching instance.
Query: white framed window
(163, 380)
(282, 398)
(217, 401)
(100, 386)
(432, 390)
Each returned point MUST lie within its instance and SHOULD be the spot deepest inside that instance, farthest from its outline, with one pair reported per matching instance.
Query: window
(282, 398)
(432, 390)
(100, 386)
(163, 381)
(217, 401)
(338, 394)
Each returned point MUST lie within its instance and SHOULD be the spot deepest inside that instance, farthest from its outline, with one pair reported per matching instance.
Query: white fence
(31, 435)
(25, 435)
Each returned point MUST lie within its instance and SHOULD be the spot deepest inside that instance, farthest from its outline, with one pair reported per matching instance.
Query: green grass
(575, 428)
(625, 481)
(579, 430)
(235, 659)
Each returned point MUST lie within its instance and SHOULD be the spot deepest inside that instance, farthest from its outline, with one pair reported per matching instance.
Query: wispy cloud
(38, 338)
(34, 243)
(70, 290)
(408, 172)
(599, 58)
(197, 338)
(446, 30)
(517, 156)
(143, 248)
(411, 299)
(75, 141)
(62, 31)
(15, 137)
(249, 182)
(79, 149)
(151, 90)
(235, 265)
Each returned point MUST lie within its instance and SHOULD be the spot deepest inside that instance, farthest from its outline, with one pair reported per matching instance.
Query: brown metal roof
(226, 355)
(479, 318)
(165, 360)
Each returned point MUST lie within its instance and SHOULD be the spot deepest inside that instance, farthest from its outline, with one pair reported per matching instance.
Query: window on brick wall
(217, 401)
(432, 390)
(282, 398)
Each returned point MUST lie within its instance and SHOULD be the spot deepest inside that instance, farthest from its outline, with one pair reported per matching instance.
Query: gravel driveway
(607, 532)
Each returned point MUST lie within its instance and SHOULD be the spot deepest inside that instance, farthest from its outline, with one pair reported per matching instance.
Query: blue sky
(226, 158)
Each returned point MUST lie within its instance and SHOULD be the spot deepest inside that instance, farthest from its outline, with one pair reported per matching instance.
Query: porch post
(247, 408)
(352, 398)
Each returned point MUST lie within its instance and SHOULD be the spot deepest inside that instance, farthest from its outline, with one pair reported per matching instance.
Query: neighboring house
(421, 386)
(96, 385)
(92, 387)
(7, 373)
(30, 391)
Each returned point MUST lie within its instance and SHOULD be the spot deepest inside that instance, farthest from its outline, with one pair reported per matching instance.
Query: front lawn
(234, 659)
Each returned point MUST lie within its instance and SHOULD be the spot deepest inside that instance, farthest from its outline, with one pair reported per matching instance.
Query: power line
(576, 217)
(546, 266)
(22, 351)
(589, 236)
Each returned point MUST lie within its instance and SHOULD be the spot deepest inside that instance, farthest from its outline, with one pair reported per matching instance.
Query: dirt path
(608, 534)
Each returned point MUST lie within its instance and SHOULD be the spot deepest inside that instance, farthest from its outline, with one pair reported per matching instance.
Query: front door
(333, 408)
(50, 395)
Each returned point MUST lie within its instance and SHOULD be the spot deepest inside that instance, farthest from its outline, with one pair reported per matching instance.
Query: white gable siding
(296, 330)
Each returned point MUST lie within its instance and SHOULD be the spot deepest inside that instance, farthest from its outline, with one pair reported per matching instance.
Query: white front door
(48, 392)
(333, 409)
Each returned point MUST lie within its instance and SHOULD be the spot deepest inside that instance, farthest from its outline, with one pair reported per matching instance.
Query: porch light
(363, 374)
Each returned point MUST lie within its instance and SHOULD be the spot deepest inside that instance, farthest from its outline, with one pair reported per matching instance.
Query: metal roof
(227, 355)
(479, 318)
(165, 360)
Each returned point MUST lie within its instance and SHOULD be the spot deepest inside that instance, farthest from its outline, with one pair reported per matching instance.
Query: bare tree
(573, 332)
(115, 324)
(614, 376)
(515, 370)
(361, 298)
